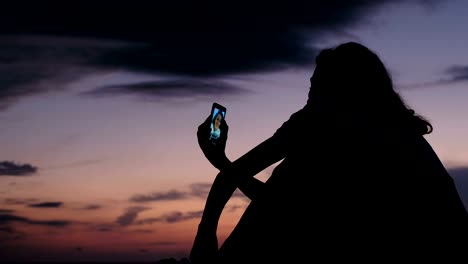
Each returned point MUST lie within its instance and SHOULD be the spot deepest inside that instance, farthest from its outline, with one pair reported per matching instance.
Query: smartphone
(218, 114)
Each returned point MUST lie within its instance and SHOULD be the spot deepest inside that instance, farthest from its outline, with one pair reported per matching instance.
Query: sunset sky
(100, 102)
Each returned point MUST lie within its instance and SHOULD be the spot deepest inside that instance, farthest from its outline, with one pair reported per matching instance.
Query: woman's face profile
(217, 122)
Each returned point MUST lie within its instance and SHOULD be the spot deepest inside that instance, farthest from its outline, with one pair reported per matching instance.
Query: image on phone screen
(217, 116)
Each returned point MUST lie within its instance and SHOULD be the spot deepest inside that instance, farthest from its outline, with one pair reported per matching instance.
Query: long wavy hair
(351, 79)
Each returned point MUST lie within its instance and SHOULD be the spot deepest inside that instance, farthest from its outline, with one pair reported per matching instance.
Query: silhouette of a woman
(361, 184)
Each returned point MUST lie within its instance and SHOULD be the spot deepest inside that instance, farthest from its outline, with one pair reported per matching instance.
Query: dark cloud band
(9, 168)
(185, 40)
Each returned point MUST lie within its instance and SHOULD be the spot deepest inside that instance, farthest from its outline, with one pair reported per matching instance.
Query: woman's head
(352, 80)
(217, 120)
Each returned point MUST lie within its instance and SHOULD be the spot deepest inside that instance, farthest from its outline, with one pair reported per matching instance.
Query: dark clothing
(350, 192)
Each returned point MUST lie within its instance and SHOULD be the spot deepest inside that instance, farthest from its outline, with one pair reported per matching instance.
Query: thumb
(205, 123)
(204, 127)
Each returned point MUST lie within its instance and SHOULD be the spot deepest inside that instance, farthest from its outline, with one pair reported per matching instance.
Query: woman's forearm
(250, 187)
(221, 190)
(236, 174)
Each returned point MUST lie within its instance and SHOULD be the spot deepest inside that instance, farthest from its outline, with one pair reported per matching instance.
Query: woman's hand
(215, 153)
(251, 187)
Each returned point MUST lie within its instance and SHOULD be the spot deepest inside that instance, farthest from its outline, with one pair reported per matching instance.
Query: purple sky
(98, 111)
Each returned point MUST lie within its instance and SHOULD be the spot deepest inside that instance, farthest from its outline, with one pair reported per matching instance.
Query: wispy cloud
(92, 207)
(171, 195)
(121, 226)
(19, 201)
(36, 64)
(47, 205)
(10, 168)
(175, 217)
(234, 208)
(173, 88)
(9, 223)
(130, 214)
(199, 190)
(10, 218)
(451, 75)
(172, 217)
(456, 73)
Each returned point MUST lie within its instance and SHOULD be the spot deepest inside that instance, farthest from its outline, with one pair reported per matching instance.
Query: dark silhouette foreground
(357, 180)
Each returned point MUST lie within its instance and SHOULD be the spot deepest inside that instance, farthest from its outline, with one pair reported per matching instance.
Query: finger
(204, 127)
(207, 120)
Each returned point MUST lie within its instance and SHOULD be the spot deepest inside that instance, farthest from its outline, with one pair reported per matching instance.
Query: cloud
(171, 88)
(234, 208)
(10, 218)
(456, 73)
(47, 205)
(175, 217)
(199, 190)
(197, 39)
(89, 207)
(171, 195)
(452, 74)
(92, 207)
(36, 64)
(10, 168)
(172, 217)
(180, 39)
(8, 231)
(19, 201)
(117, 227)
(130, 215)
(460, 177)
